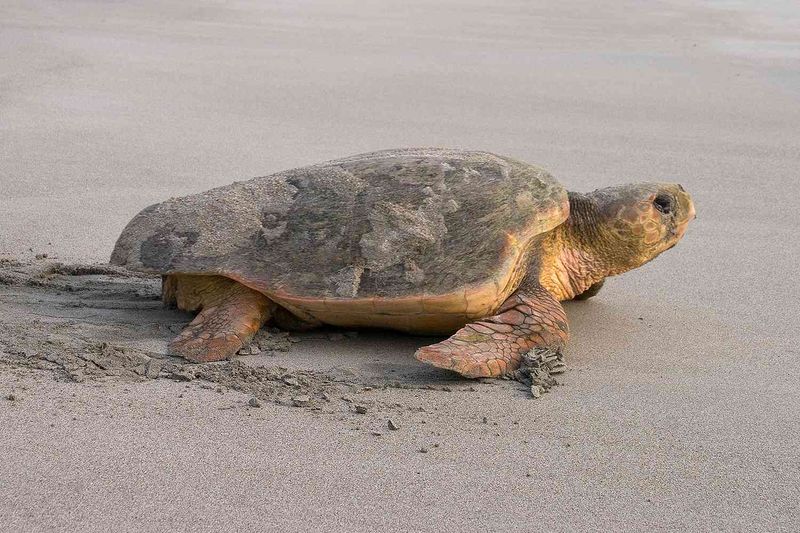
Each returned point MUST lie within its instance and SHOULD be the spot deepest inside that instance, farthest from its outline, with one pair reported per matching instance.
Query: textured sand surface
(681, 408)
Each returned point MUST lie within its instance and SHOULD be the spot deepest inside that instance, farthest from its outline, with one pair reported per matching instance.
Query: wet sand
(680, 409)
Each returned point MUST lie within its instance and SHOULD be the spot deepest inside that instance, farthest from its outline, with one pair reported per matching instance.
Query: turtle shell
(416, 228)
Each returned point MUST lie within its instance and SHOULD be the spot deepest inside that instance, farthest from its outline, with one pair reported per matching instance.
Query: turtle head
(637, 222)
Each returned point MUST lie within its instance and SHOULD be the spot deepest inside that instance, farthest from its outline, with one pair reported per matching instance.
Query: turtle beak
(691, 214)
(687, 206)
(686, 201)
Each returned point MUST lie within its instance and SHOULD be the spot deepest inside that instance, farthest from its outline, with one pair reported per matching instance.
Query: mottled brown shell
(385, 225)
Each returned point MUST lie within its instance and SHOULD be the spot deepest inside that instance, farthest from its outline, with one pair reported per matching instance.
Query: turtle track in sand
(95, 323)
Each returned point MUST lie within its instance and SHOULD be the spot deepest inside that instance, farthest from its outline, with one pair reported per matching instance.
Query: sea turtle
(433, 241)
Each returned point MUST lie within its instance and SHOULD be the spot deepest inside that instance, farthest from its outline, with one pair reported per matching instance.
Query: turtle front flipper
(230, 314)
(494, 346)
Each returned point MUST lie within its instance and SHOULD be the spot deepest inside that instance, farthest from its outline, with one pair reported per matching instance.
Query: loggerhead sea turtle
(434, 241)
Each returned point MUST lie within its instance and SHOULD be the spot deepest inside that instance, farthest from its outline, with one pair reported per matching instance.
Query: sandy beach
(680, 409)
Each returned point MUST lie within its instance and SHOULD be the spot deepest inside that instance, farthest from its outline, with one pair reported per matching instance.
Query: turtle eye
(663, 203)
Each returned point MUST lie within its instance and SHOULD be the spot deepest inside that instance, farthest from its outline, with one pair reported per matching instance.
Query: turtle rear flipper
(230, 314)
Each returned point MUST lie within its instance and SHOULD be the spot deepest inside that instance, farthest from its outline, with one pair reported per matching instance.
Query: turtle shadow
(378, 357)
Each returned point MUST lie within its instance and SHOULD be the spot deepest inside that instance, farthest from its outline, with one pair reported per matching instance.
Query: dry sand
(681, 408)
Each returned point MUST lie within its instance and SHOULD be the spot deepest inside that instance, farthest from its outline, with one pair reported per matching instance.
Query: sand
(680, 409)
